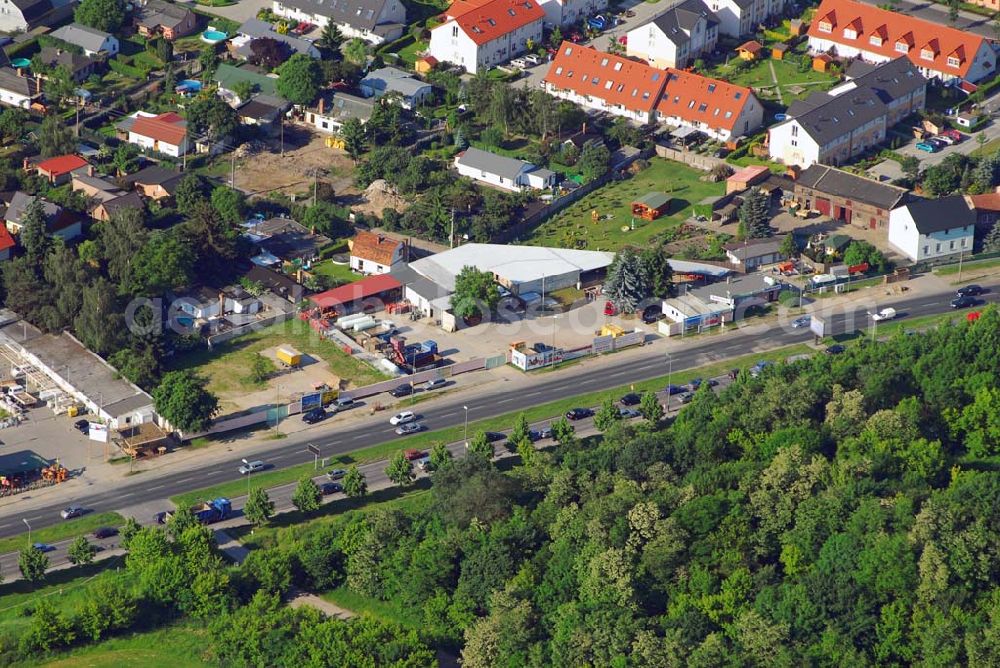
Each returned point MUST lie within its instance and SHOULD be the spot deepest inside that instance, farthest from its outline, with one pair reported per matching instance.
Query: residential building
(568, 12)
(854, 29)
(389, 80)
(264, 112)
(833, 127)
(741, 17)
(155, 182)
(287, 240)
(987, 208)
(252, 29)
(675, 37)
(206, 303)
(228, 78)
(844, 196)
(58, 170)
(25, 15)
(78, 65)
(623, 87)
(932, 229)
(105, 210)
(163, 133)
(93, 42)
(154, 18)
(725, 301)
(279, 284)
(745, 177)
(375, 253)
(7, 243)
(717, 108)
(95, 187)
(501, 171)
(480, 34)
(375, 21)
(333, 108)
(58, 221)
(17, 90)
(752, 253)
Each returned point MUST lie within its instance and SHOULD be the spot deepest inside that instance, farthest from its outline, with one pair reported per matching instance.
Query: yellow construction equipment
(335, 142)
(612, 330)
(289, 356)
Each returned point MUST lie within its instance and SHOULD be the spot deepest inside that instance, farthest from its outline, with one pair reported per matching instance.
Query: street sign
(313, 449)
(817, 325)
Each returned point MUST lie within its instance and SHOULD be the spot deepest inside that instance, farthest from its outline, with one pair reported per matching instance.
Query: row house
(480, 35)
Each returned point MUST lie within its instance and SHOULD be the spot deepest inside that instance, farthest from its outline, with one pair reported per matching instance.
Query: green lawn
(226, 365)
(341, 272)
(787, 72)
(988, 148)
(65, 529)
(387, 611)
(179, 646)
(970, 269)
(574, 227)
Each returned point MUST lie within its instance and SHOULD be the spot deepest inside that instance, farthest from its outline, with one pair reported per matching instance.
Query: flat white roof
(517, 264)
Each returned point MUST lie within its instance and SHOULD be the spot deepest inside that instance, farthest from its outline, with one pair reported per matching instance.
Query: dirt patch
(269, 171)
(379, 196)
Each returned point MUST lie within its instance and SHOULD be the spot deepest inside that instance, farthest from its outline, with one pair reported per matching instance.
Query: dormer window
(604, 62)
(902, 47)
(850, 33)
(608, 84)
(875, 40)
(559, 70)
(953, 61)
(825, 26)
(618, 67)
(493, 24)
(926, 54)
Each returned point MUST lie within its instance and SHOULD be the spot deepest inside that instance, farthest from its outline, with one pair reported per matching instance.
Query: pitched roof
(844, 184)
(130, 200)
(491, 163)
(155, 175)
(32, 10)
(363, 14)
(74, 62)
(254, 28)
(56, 218)
(890, 81)
(168, 127)
(940, 41)
(619, 81)
(228, 76)
(89, 39)
(374, 247)
(343, 106)
(753, 46)
(741, 250)
(986, 202)
(486, 21)
(264, 107)
(698, 99)
(62, 164)
(6, 240)
(394, 80)
(679, 21)
(938, 215)
(155, 13)
(26, 86)
(366, 287)
(287, 239)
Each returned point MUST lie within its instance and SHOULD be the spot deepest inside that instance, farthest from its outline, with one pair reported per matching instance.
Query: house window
(795, 131)
(951, 245)
(953, 61)
(850, 33)
(902, 47)
(927, 54)
(875, 40)
(795, 142)
(702, 107)
(937, 248)
(927, 250)
(825, 26)
(963, 242)
(454, 31)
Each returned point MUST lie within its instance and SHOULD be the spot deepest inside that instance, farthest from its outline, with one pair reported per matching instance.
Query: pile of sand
(378, 196)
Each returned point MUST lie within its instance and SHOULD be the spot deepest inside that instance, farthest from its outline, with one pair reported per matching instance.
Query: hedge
(126, 70)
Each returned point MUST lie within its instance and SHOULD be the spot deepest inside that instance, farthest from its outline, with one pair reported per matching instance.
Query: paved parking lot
(53, 437)
(240, 12)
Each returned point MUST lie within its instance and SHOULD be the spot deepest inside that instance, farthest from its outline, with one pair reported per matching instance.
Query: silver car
(801, 322)
(72, 511)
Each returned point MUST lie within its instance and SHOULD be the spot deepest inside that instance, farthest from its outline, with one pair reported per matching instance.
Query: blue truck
(205, 512)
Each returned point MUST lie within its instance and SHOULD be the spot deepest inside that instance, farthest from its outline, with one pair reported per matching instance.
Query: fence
(696, 160)
(216, 339)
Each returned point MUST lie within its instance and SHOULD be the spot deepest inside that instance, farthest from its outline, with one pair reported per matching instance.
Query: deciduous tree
(81, 551)
(32, 563)
(259, 507)
(651, 408)
(354, 483)
(54, 138)
(182, 399)
(475, 293)
(607, 415)
(300, 78)
(105, 15)
(307, 495)
(480, 446)
(400, 469)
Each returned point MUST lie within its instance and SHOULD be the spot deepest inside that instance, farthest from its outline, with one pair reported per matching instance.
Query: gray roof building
(254, 29)
(87, 38)
(393, 80)
(342, 106)
(263, 108)
(678, 21)
(753, 248)
(844, 184)
(156, 13)
(26, 86)
(361, 14)
(491, 163)
(938, 215)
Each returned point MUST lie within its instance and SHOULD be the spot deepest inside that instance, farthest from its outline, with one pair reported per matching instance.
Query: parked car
(328, 488)
(945, 139)
(631, 399)
(759, 367)
(493, 436)
(578, 413)
(652, 313)
(954, 134)
(628, 413)
(105, 532)
(314, 416)
(721, 152)
(884, 314)
(520, 63)
(544, 432)
(435, 383)
(43, 547)
(533, 59)
(673, 389)
(963, 302)
(409, 428)
(970, 291)
(336, 474)
(927, 147)
(82, 426)
(345, 403)
(686, 397)
(695, 384)
(71, 511)
(835, 349)
(413, 454)
(251, 467)
(402, 418)
(401, 390)
(936, 141)
(804, 321)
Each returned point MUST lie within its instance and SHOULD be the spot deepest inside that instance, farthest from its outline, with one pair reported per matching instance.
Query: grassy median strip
(545, 411)
(67, 529)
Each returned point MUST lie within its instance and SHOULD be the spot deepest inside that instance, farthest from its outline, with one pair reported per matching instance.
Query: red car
(953, 134)
(413, 454)
(610, 309)
(575, 37)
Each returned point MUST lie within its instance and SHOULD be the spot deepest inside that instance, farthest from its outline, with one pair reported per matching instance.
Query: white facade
(642, 116)
(651, 44)
(109, 46)
(750, 118)
(905, 237)
(14, 99)
(450, 43)
(393, 12)
(507, 183)
(567, 12)
(166, 148)
(737, 21)
(790, 144)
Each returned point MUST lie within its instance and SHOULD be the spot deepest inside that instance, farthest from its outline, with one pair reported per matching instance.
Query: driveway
(240, 12)
(966, 146)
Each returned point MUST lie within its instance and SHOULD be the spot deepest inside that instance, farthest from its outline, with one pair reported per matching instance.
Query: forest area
(838, 510)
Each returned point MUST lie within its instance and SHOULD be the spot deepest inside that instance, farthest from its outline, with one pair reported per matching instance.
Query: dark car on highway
(578, 413)
(105, 532)
(328, 488)
(673, 389)
(963, 302)
(401, 390)
(631, 399)
(970, 291)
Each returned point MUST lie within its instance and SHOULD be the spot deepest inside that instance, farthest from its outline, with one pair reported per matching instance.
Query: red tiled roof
(896, 27)
(987, 202)
(366, 287)
(753, 46)
(633, 85)
(374, 247)
(486, 21)
(695, 98)
(170, 130)
(748, 173)
(6, 240)
(61, 164)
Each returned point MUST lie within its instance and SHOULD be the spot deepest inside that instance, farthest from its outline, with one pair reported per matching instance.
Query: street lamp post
(554, 327)
(249, 473)
(670, 373)
(466, 424)
(29, 529)
(874, 326)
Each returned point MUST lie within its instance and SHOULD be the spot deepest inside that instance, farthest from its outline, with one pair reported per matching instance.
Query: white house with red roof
(480, 34)
(59, 169)
(851, 29)
(164, 133)
(643, 93)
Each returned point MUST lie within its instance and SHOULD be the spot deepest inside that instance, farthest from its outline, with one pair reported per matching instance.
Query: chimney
(381, 238)
(90, 170)
(321, 101)
(20, 72)
(222, 304)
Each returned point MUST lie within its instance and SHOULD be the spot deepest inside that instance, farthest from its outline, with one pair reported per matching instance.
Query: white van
(251, 467)
(884, 314)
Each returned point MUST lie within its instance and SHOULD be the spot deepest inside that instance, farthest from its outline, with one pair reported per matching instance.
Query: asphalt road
(449, 413)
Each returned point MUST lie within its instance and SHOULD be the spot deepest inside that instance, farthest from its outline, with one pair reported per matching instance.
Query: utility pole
(961, 254)
(281, 123)
(232, 171)
(451, 237)
(670, 373)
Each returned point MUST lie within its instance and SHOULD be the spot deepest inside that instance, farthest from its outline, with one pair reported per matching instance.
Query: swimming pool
(21, 62)
(213, 36)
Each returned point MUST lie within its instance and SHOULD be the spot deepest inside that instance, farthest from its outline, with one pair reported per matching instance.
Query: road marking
(156, 487)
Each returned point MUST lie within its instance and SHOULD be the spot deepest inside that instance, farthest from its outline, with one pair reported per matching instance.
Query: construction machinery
(415, 356)
(55, 473)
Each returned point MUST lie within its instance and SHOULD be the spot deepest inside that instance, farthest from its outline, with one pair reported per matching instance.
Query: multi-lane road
(336, 438)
